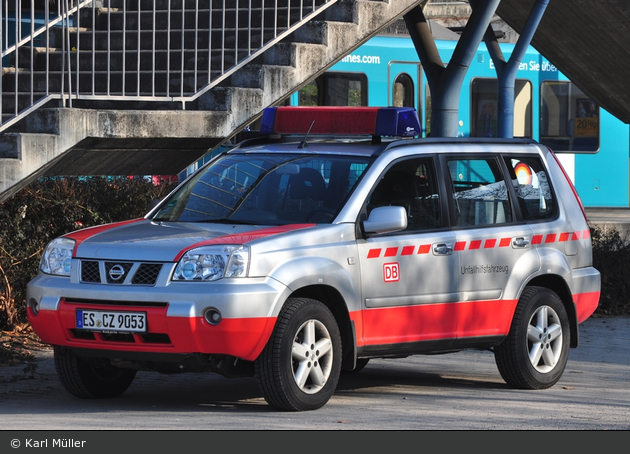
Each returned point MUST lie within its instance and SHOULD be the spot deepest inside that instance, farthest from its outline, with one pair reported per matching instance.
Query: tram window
(308, 95)
(569, 120)
(344, 89)
(335, 89)
(403, 91)
(483, 109)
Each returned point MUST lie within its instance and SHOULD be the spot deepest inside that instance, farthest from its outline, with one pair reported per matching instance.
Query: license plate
(127, 322)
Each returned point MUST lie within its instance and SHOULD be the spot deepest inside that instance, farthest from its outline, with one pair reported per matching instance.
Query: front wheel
(536, 350)
(300, 366)
(88, 381)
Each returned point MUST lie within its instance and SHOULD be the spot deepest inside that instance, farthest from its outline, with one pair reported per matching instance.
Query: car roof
(357, 147)
(362, 146)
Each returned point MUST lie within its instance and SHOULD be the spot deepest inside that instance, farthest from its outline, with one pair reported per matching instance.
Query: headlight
(212, 263)
(57, 257)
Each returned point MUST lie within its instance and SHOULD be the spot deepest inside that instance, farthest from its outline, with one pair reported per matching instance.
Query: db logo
(391, 272)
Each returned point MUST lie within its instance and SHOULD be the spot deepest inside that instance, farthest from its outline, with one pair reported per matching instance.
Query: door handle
(520, 242)
(442, 249)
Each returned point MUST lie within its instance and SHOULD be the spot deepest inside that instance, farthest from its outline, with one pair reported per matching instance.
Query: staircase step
(162, 39)
(160, 4)
(302, 56)
(202, 4)
(134, 60)
(102, 83)
(223, 99)
(111, 19)
(23, 100)
(190, 19)
(261, 76)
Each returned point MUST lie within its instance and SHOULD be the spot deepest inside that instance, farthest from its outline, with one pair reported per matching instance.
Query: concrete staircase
(158, 119)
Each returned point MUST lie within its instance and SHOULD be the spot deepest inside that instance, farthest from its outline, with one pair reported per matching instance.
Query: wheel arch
(334, 301)
(561, 288)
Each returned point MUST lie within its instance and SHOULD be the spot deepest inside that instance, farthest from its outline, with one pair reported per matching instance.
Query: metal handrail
(13, 16)
(216, 38)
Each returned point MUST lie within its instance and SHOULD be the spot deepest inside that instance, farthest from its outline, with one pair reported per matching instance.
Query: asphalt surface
(458, 391)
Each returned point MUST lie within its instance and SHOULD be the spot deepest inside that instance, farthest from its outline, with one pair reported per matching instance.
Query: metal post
(506, 71)
(68, 50)
(445, 82)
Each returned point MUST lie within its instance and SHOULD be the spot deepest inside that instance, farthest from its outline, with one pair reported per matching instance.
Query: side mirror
(385, 220)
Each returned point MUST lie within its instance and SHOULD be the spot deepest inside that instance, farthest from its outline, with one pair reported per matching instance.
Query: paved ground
(455, 391)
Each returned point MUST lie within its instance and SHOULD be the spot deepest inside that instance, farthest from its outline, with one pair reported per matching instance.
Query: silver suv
(334, 238)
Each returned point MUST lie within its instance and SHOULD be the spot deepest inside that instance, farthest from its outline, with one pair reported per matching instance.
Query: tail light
(575, 193)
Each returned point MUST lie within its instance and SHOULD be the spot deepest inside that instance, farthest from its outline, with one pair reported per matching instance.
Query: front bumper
(175, 315)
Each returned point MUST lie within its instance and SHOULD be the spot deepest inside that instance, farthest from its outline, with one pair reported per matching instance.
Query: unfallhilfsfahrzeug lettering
(483, 269)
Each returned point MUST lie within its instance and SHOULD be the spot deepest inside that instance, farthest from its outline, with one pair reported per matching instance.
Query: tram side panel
(593, 146)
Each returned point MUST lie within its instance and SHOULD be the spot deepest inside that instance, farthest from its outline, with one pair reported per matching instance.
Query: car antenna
(303, 143)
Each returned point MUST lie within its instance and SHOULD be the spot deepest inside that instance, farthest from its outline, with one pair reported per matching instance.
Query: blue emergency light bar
(374, 121)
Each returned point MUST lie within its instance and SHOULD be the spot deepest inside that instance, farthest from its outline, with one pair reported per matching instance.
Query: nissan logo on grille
(116, 272)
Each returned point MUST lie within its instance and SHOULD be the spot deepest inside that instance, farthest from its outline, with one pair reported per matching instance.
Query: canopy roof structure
(588, 41)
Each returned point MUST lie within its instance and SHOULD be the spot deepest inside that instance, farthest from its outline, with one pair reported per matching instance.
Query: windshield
(266, 189)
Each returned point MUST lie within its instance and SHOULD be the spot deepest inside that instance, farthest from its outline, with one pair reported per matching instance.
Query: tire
(285, 371)
(87, 381)
(535, 351)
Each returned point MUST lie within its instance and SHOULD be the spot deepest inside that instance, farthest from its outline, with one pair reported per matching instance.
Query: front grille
(147, 274)
(90, 271)
(117, 273)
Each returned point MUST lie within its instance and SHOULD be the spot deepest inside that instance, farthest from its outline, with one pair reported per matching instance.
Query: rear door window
(480, 195)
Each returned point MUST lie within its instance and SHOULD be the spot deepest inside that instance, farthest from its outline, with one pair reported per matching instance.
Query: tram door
(404, 84)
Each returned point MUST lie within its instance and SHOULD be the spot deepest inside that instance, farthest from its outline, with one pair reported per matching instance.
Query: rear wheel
(300, 366)
(536, 350)
(88, 381)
